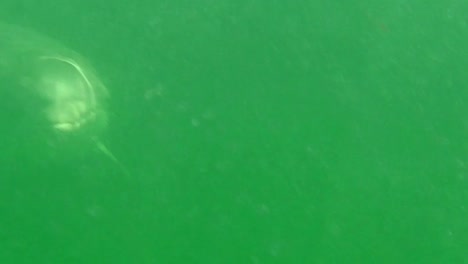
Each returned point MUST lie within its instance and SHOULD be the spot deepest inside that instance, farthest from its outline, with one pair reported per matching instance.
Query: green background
(255, 132)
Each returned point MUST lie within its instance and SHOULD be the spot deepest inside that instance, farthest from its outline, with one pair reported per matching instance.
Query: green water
(253, 132)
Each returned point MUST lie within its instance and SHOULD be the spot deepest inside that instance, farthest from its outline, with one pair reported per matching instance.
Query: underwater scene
(236, 132)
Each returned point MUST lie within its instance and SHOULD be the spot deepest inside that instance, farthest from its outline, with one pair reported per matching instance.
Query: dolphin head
(73, 96)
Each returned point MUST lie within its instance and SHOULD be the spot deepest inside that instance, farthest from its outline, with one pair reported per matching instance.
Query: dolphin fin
(105, 150)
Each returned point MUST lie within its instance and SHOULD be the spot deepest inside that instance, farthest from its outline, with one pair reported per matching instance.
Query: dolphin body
(50, 95)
